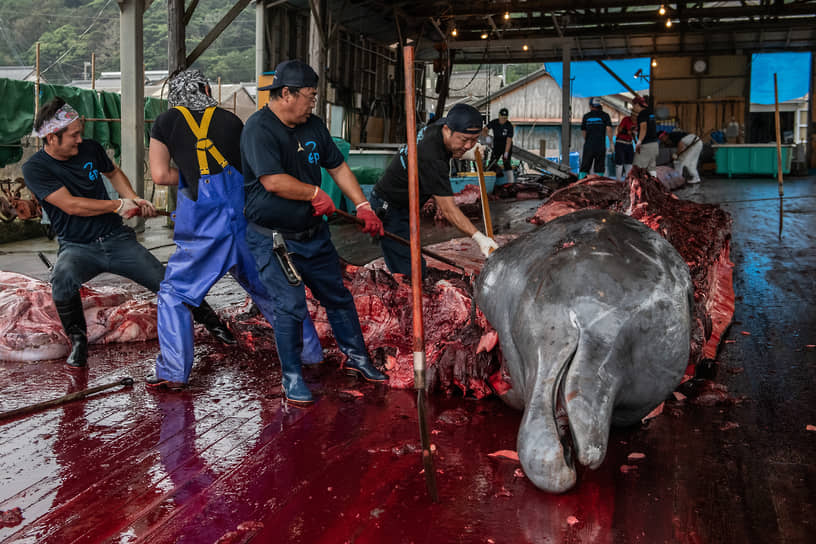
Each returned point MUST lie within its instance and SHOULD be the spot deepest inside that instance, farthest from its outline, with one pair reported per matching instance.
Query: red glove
(373, 225)
(322, 202)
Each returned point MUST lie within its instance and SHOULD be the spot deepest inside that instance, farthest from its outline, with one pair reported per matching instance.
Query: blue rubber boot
(346, 328)
(289, 340)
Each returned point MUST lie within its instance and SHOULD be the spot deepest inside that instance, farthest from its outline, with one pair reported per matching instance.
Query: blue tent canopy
(589, 79)
(792, 74)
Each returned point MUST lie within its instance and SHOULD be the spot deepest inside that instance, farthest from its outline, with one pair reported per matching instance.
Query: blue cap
(594, 102)
(292, 73)
(464, 118)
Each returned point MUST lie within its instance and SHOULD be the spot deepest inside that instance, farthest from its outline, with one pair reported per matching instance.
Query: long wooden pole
(416, 272)
(483, 193)
(778, 140)
(613, 74)
(77, 395)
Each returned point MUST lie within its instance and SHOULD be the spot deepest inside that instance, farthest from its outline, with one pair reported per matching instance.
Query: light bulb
(662, 10)
(484, 35)
(654, 63)
(453, 32)
(668, 23)
(524, 47)
(506, 15)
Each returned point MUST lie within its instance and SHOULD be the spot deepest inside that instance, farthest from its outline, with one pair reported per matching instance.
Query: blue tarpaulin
(589, 79)
(792, 74)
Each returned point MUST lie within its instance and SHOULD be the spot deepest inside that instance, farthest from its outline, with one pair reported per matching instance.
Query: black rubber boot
(73, 321)
(205, 315)
(345, 325)
(289, 342)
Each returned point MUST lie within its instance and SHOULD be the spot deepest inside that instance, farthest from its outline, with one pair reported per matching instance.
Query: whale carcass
(594, 316)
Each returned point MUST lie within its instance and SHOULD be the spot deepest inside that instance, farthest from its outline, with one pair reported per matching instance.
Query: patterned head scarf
(61, 119)
(187, 89)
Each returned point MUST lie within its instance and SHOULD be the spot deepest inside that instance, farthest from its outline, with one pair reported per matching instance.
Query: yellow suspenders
(204, 144)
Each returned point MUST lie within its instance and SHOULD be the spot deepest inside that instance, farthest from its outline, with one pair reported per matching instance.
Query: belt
(300, 236)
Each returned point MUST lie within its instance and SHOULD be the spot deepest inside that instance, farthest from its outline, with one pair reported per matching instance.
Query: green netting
(367, 175)
(17, 114)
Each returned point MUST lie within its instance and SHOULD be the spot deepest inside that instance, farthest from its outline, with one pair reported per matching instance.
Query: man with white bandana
(210, 229)
(66, 177)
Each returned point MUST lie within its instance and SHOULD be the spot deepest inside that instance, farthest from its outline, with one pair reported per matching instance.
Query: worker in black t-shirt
(647, 148)
(283, 147)
(66, 177)
(596, 126)
(450, 137)
(502, 143)
(210, 228)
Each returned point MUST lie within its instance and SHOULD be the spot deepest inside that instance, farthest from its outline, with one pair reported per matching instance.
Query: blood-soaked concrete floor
(227, 462)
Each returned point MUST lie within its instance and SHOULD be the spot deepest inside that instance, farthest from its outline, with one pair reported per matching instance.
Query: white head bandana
(64, 117)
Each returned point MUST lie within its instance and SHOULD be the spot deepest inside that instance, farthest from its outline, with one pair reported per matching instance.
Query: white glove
(674, 156)
(486, 245)
(470, 154)
(127, 208)
(488, 139)
(506, 154)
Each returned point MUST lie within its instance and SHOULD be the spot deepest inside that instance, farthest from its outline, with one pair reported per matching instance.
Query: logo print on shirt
(314, 155)
(93, 173)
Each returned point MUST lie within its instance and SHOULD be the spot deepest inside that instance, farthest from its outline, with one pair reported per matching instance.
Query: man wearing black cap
(502, 143)
(647, 148)
(596, 126)
(283, 147)
(450, 137)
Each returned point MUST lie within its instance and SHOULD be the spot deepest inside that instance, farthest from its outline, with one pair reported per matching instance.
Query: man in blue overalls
(210, 228)
(283, 148)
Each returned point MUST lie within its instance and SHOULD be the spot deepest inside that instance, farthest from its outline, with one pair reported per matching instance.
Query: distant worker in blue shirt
(596, 126)
(283, 147)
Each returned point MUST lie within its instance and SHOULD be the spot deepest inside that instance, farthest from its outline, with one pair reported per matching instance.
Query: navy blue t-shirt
(269, 147)
(82, 176)
(595, 123)
(501, 131)
(433, 160)
(646, 116)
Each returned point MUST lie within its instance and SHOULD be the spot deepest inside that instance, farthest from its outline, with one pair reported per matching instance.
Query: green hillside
(69, 31)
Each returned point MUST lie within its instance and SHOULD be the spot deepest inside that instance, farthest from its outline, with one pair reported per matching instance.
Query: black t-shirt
(172, 130)
(595, 123)
(269, 147)
(82, 176)
(500, 134)
(433, 159)
(646, 116)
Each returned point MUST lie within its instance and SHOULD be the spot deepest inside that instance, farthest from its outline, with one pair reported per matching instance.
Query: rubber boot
(289, 341)
(626, 169)
(619, 172)
(582, 175)
(205, 315)
(653, 173)
(73, 321)
(508, 176)
(345, 325)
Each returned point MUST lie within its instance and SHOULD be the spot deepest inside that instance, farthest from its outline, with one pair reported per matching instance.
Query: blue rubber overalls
(210, 237)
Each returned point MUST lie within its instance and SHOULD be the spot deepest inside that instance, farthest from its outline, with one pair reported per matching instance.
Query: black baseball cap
(292, 73)
(464, 118)
(504, 111)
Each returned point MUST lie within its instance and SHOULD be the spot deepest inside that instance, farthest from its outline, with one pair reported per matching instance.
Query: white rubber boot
(508, 176)
(618, 172)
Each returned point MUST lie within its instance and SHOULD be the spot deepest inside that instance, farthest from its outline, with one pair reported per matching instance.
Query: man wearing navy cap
(450, 137)
(283, 147)
(502, 143)
(596, 126)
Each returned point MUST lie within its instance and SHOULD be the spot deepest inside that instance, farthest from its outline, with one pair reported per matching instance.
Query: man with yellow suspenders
(210, 228)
